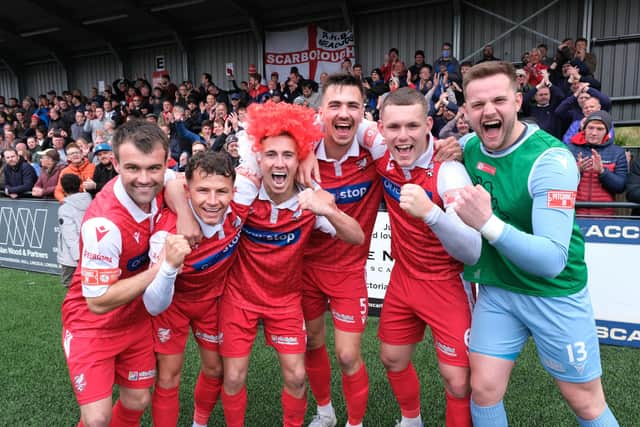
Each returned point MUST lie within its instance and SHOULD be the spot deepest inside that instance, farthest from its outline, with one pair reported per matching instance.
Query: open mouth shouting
(279, 179)
(491, 129)
(343, 130)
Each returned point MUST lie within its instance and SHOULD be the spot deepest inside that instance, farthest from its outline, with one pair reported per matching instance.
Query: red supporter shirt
(114, 245)
(414, 247)
(357, 188)
(268, 271)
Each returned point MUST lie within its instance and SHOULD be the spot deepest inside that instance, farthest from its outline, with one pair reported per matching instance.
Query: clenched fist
(176, 248)
(415, 201)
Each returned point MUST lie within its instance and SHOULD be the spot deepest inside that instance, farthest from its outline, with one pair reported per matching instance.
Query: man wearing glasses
(77, 164)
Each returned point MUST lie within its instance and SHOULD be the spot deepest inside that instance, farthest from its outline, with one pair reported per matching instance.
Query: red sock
(293, 409)
(458, 411)
(205, 397)
(318, 368)
(234, 407)
(165, 406)
(80, 424)
(406, 388)
(125, 417)
(356, 393)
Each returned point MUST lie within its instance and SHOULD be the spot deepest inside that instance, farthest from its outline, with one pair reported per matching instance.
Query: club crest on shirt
(80, 383)
(237, 222)
(362, 163)
(297, 214)
(136, 236)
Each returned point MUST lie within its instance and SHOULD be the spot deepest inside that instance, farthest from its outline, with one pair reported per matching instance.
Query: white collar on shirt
(207, 229)
(125, 200)
(425, 160)
(291, 204)
(321, 152)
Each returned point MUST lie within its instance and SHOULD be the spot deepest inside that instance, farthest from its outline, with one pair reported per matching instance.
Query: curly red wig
(271, 119)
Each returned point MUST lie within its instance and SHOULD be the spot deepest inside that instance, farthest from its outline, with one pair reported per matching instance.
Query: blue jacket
(19, 179)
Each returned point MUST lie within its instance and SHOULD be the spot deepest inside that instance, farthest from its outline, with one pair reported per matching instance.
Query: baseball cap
(299, 100)
(235, 95)
(600, 116)
(521, 72)
(102, 147)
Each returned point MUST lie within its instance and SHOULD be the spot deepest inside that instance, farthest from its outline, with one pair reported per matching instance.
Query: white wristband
(492, 229)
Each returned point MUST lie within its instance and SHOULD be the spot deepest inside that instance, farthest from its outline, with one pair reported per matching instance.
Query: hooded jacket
(70, 215)
(594, 187)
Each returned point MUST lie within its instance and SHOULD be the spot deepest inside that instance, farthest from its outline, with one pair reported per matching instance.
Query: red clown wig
(296, 121)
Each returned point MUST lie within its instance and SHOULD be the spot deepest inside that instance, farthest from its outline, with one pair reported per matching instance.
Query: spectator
(104, 170)
(391, 62)
(536, 69)
(447, 62)
(346, 66)
(19, 175)
(256, 88)
(590, 105)
(587, 58)
(70, 215)
(418, 63)
(50, 168)
(311, 98)
(458, 127)
(544, 58)
(540, 103)
(94, 123)
(487, 54)
(77, 128)
(602, 164)
(231, 147)
(77, 165)
(357, 73)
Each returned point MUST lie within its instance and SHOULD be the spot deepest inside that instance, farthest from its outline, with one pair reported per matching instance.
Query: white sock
(353, 425)
(195, 424)
(326, 410)
(411, 422)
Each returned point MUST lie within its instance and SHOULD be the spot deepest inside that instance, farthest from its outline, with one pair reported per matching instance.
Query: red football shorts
(413, 302)
(345, 292)
(285, 332)
(96, 363)
(171, 327)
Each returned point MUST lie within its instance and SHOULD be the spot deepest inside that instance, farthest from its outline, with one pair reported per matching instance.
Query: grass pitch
(36, 390)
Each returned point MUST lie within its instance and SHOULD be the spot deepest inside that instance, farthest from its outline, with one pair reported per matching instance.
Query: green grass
(36, 390)
(628, 136)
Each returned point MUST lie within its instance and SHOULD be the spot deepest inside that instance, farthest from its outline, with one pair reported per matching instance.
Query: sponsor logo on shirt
(101, 231)
(449, 351)
(346, 318)
(225, 253)
(393, 189)
(141, 375)
(272, 237)
(214, 339)
(481, 166)
(350, 193)
(138, 262)
(90, 256)
(99, 276)
(278, 339)
(560, 199)
(80, 383)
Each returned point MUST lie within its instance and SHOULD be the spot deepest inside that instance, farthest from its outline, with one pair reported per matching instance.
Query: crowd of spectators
(42, 140)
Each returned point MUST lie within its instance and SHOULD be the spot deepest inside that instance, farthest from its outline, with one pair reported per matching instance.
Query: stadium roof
(59, 29)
